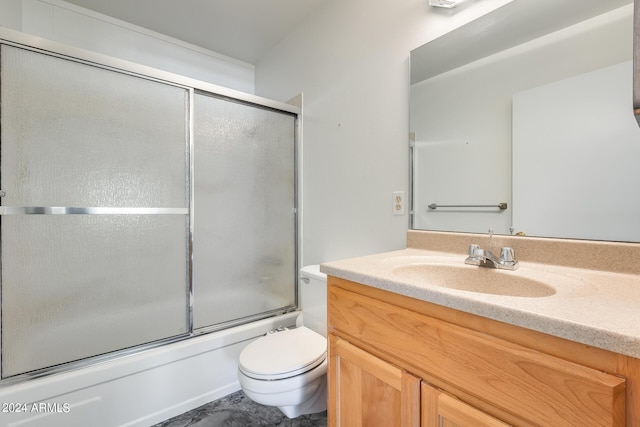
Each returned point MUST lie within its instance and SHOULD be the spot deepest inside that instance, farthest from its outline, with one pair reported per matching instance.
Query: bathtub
(140, 389)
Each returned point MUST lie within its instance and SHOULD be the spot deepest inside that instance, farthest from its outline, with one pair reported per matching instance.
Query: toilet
(287, 367)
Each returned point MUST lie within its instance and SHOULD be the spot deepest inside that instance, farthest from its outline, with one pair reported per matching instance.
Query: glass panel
(75, 286)
(109, 139)
(244, 220)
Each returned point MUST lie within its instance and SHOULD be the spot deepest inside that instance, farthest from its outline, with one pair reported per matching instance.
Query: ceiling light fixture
(447, 4)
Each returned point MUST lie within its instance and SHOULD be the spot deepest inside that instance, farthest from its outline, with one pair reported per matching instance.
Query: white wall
(11, 14)
(351, 60)
(66, 23)
(589, 128)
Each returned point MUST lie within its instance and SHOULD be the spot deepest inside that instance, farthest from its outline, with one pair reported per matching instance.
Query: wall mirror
(522, 122)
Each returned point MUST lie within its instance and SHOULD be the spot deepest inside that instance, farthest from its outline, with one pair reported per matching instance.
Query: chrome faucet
(485, 258)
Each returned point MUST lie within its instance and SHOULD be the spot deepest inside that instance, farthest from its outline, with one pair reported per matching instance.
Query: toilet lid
(283, 354)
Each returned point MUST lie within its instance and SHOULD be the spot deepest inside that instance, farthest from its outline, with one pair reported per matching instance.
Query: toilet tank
(312, 293)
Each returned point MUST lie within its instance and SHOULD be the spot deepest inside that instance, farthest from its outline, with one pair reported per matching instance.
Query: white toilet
(288, 368)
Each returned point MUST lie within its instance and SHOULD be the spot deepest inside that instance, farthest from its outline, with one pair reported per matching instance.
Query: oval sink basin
(475, 279)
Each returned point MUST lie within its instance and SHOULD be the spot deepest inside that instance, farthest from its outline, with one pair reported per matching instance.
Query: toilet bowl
(287, 368)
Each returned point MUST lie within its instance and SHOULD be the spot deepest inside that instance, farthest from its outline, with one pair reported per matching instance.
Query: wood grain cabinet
(397, 361)
(368, 391)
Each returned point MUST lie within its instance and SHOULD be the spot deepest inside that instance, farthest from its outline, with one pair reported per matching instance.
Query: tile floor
(237, 410)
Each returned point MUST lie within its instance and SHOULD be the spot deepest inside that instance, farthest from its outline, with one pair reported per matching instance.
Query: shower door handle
(69, 210)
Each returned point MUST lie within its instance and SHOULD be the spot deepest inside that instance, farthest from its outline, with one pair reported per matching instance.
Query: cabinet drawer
(533, 386)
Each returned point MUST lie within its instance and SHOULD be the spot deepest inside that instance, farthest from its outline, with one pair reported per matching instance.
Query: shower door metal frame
(48, 47)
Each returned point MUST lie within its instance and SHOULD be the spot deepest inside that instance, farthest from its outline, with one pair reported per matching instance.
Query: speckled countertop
(587, 304)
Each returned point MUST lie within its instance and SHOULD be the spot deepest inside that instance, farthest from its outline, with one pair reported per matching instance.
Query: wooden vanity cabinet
(398, 361)
(370, 392)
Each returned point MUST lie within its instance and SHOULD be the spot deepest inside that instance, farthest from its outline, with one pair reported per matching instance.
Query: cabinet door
(441, 410)
(367, 391)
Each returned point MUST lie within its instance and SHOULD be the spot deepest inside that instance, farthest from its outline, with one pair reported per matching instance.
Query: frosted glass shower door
(94, 225)
(244, 260)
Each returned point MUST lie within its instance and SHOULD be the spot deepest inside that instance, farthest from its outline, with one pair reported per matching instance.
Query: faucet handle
(473, 250)
(475, 255)
(507, 255)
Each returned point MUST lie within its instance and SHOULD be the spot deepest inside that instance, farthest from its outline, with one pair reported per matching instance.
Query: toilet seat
(283, 354)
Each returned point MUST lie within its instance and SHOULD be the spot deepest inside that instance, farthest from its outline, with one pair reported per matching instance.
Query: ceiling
(243, 29)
